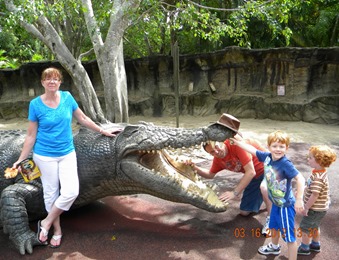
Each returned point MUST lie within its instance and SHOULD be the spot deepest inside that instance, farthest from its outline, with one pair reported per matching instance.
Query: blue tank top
(54, 137)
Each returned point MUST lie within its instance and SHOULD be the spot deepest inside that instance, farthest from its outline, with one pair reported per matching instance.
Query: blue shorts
(282, 221)
(252, 199)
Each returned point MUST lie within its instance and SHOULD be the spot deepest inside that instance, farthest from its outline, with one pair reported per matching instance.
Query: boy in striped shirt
(316, 198)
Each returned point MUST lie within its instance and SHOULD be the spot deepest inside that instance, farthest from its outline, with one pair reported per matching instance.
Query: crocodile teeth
(212, 144)
(214, 187)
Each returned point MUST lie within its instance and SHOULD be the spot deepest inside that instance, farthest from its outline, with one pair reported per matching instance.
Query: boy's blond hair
(278, 136)
(323, 155)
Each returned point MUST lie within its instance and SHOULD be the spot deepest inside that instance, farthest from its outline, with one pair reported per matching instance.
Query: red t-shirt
(237, 157)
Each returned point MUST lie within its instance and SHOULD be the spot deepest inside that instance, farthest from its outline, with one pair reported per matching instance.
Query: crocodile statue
(138, 160)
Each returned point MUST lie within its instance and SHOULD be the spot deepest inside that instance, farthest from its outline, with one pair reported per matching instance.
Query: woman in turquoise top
(49, 136)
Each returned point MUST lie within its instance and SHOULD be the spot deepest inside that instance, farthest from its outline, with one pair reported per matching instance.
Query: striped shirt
(318, 182)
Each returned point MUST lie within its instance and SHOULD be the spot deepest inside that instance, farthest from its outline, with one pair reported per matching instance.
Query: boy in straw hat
(233, 158)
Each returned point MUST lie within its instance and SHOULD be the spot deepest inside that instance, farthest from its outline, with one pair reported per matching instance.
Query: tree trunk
(115, 82)
(88, 97)
(109, 56)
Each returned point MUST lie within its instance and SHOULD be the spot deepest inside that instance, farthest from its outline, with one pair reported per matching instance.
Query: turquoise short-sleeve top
(54, 137)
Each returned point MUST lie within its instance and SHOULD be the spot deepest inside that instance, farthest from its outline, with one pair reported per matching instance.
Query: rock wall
(293, 84)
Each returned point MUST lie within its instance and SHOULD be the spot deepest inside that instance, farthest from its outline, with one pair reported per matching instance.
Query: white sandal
(44, 232)
(56, 238)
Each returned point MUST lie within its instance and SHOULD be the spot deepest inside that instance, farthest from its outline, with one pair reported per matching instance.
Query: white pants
(59, 177)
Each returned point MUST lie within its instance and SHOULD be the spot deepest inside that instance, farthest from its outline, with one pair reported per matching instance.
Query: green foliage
(18, 45)
(316, 23)
(65, 16)
(6, 62)
(209, 25)
(162, 23)
(262, 25)
(198, 26)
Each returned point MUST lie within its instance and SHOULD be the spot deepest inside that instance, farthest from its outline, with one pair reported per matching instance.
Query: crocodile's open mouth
(169, 165)
(161, 161)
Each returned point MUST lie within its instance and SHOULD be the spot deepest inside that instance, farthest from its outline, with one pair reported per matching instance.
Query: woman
(49, 135)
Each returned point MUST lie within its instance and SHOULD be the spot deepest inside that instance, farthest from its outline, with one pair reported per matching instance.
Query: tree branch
(213, 8)
(92, 25)
(224, 9)
(29, 27)
(85, 54)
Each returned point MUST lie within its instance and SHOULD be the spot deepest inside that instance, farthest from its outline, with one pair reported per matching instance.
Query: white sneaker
(265, 229)
(269, 250)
